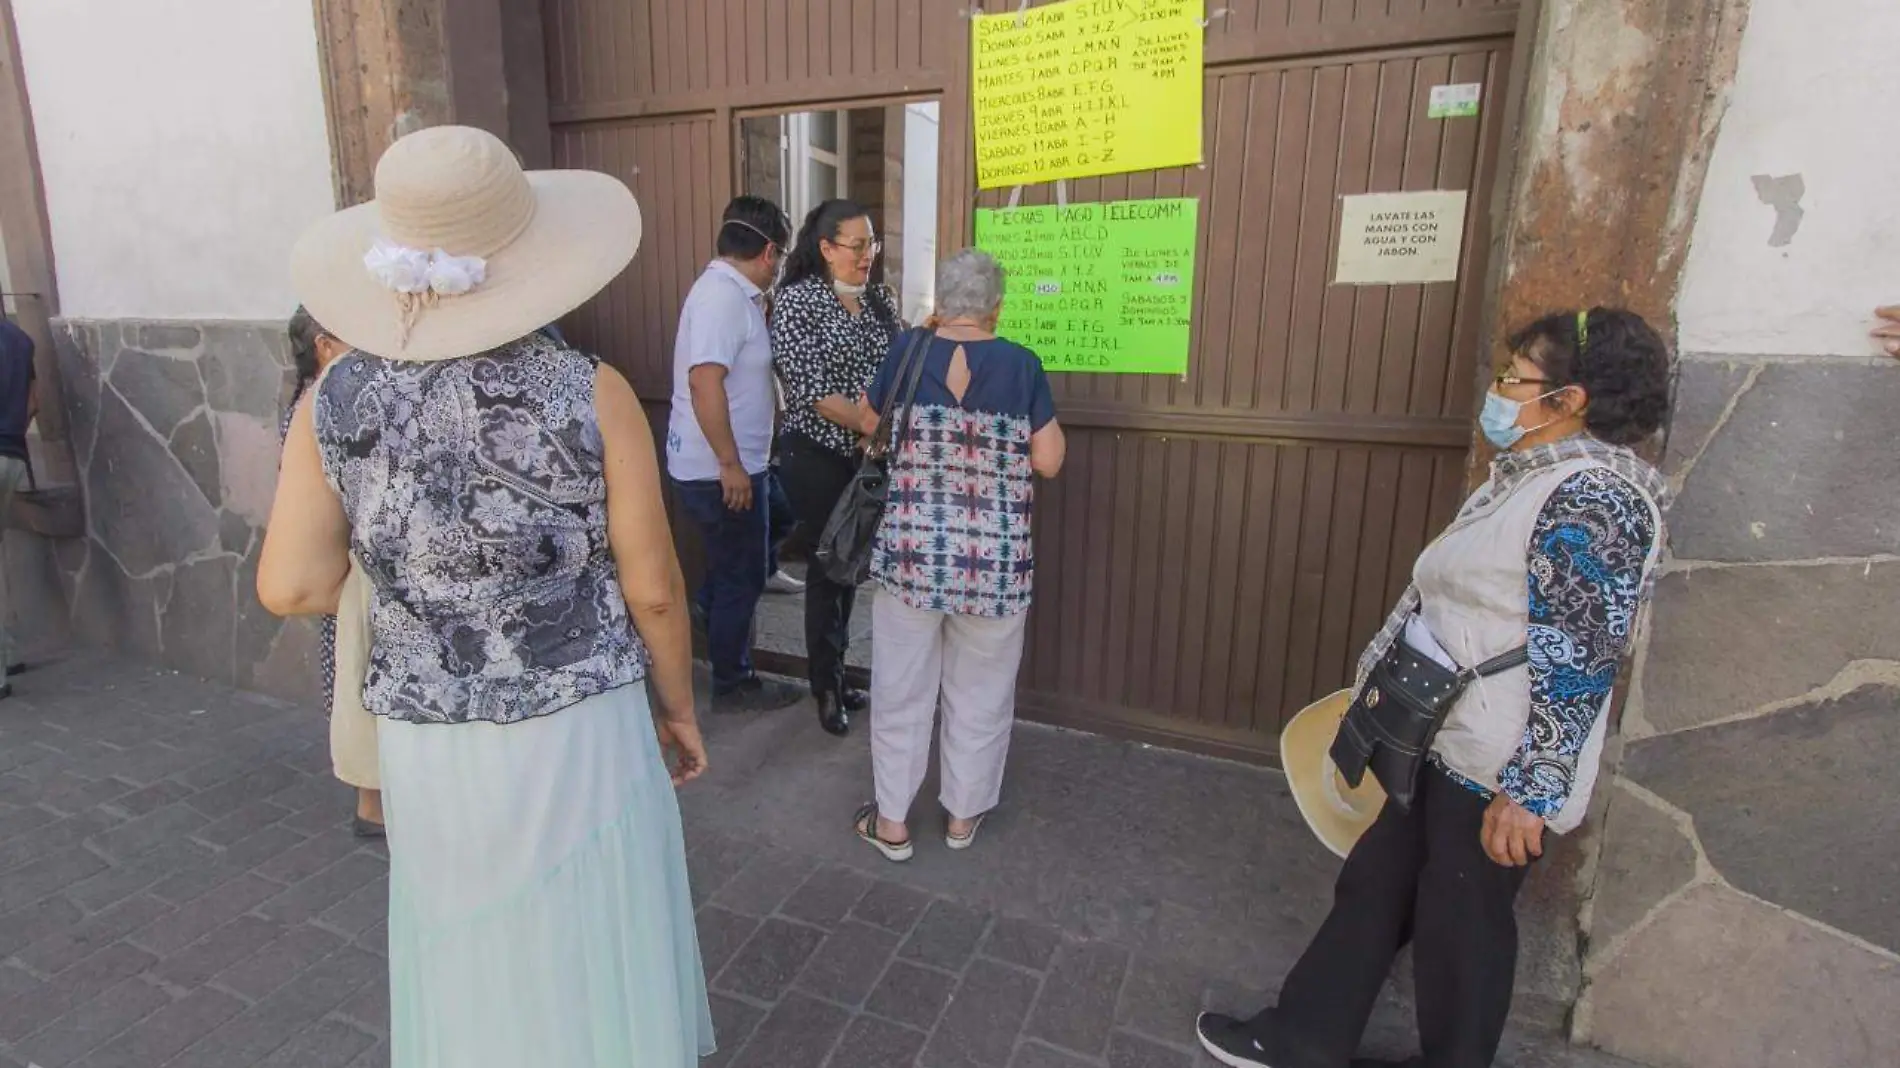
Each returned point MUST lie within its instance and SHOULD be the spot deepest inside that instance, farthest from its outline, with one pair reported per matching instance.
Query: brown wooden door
(1220, 545)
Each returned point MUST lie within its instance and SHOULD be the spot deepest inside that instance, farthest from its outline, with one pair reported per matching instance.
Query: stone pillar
(395, 66)
(28, 249)
(1621, 104)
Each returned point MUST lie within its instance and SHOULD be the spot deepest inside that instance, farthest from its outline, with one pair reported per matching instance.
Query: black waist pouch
(1394, 718)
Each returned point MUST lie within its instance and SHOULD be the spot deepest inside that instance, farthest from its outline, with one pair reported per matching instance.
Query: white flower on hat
(418, 278)
(451, 276)
(403, 270)
(413, 271)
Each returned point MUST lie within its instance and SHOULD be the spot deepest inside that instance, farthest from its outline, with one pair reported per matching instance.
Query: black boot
(832, 714)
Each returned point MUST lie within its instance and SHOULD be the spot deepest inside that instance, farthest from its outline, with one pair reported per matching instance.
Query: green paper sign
(1104, 288)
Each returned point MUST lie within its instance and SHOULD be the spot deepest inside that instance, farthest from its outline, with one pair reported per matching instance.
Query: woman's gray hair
(969, 285)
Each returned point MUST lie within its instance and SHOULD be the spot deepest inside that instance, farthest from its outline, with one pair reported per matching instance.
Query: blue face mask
(1498, 419)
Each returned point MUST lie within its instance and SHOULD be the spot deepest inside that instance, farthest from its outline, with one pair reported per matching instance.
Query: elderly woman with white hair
(953, 556)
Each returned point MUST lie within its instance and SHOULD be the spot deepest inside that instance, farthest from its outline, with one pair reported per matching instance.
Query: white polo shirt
(723, 323)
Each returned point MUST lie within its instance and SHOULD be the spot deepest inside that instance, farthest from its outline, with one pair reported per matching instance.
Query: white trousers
(968, 663)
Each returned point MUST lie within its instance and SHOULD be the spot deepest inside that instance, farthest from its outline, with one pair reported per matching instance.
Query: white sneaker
(781, 582)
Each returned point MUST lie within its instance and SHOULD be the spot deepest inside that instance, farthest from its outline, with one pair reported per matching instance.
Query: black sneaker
(1227, 1040)
(756, 694)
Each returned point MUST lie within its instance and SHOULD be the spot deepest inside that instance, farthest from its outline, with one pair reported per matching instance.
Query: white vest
(1473, 586)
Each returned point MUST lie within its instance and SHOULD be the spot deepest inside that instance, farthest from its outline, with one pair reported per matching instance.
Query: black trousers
(1420, 877)
(815, 477)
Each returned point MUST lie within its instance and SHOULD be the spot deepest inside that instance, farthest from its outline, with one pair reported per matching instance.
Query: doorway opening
(884, 156)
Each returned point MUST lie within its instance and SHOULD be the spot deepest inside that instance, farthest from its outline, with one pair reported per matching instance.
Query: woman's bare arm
(642, 543)
(1047, 449)
(842, 411)
(306, 552)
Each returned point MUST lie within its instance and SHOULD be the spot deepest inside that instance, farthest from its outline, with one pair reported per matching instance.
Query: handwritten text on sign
(1400, 238)
(1087, 87)
(1097, 287)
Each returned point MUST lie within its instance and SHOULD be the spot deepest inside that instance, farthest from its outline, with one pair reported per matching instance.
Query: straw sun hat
(1336, 812)
(461, 251)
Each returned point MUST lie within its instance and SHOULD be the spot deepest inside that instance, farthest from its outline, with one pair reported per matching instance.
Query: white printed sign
(1400, 238)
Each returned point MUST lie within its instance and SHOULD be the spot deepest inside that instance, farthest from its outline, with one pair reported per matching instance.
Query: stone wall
(175, 433)
(1747, 905)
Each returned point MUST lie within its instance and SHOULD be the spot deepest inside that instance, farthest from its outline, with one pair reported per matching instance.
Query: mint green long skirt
(539, 913)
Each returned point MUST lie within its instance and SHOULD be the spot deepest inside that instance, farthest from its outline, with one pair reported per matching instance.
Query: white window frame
(797, 153)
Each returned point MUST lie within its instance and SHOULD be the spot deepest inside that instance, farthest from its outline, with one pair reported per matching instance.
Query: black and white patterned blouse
(478, 506)
(821, 350)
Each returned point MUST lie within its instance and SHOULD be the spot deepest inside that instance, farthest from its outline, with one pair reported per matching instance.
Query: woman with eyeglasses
(1553, 555)
(831, 325)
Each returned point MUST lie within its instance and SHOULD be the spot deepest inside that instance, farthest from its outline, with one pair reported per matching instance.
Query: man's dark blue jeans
(779, 519)
(736, 548)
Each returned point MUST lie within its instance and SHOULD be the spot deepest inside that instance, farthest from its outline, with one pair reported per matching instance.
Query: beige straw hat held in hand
(462, 251)
(1337, 812)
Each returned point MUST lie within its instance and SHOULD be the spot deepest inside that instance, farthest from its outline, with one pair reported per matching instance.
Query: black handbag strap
(1500, 662)
(909, 371)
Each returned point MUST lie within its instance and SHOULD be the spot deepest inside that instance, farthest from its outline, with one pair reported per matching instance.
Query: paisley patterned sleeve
(1587, 555)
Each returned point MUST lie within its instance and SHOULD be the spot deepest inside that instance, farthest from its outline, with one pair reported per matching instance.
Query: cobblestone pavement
(781, 624)
(178, 883)
(178, 887)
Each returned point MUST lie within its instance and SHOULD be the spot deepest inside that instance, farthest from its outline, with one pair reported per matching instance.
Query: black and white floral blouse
(478, 506)
(821, 350)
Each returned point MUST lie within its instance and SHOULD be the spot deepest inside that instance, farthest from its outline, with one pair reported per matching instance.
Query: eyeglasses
(860, 249)
(1506, 378)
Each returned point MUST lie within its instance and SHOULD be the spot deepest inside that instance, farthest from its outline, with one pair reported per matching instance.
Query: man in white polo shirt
(719, 440)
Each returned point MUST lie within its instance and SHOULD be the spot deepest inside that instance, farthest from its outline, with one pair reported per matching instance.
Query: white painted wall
(920, 209)
(184, 147)
(1816, 95)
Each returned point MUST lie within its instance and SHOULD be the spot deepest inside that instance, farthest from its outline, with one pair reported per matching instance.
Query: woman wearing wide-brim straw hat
(501, 493)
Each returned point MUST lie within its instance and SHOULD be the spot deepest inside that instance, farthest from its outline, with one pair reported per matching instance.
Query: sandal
(864, 824)
(964, 841)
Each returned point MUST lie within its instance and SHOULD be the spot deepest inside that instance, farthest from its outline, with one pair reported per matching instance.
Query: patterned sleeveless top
(478, 507)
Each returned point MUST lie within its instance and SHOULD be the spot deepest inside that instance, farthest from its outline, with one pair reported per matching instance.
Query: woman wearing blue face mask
(1553, 555)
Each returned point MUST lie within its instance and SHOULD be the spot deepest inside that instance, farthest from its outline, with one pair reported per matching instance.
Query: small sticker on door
(1455, 101)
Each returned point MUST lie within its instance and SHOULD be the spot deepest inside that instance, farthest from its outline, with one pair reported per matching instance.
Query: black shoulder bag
(1394, 718)
(844, 549)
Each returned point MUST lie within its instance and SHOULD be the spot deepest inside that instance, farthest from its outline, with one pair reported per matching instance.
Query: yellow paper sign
(1087, 87)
